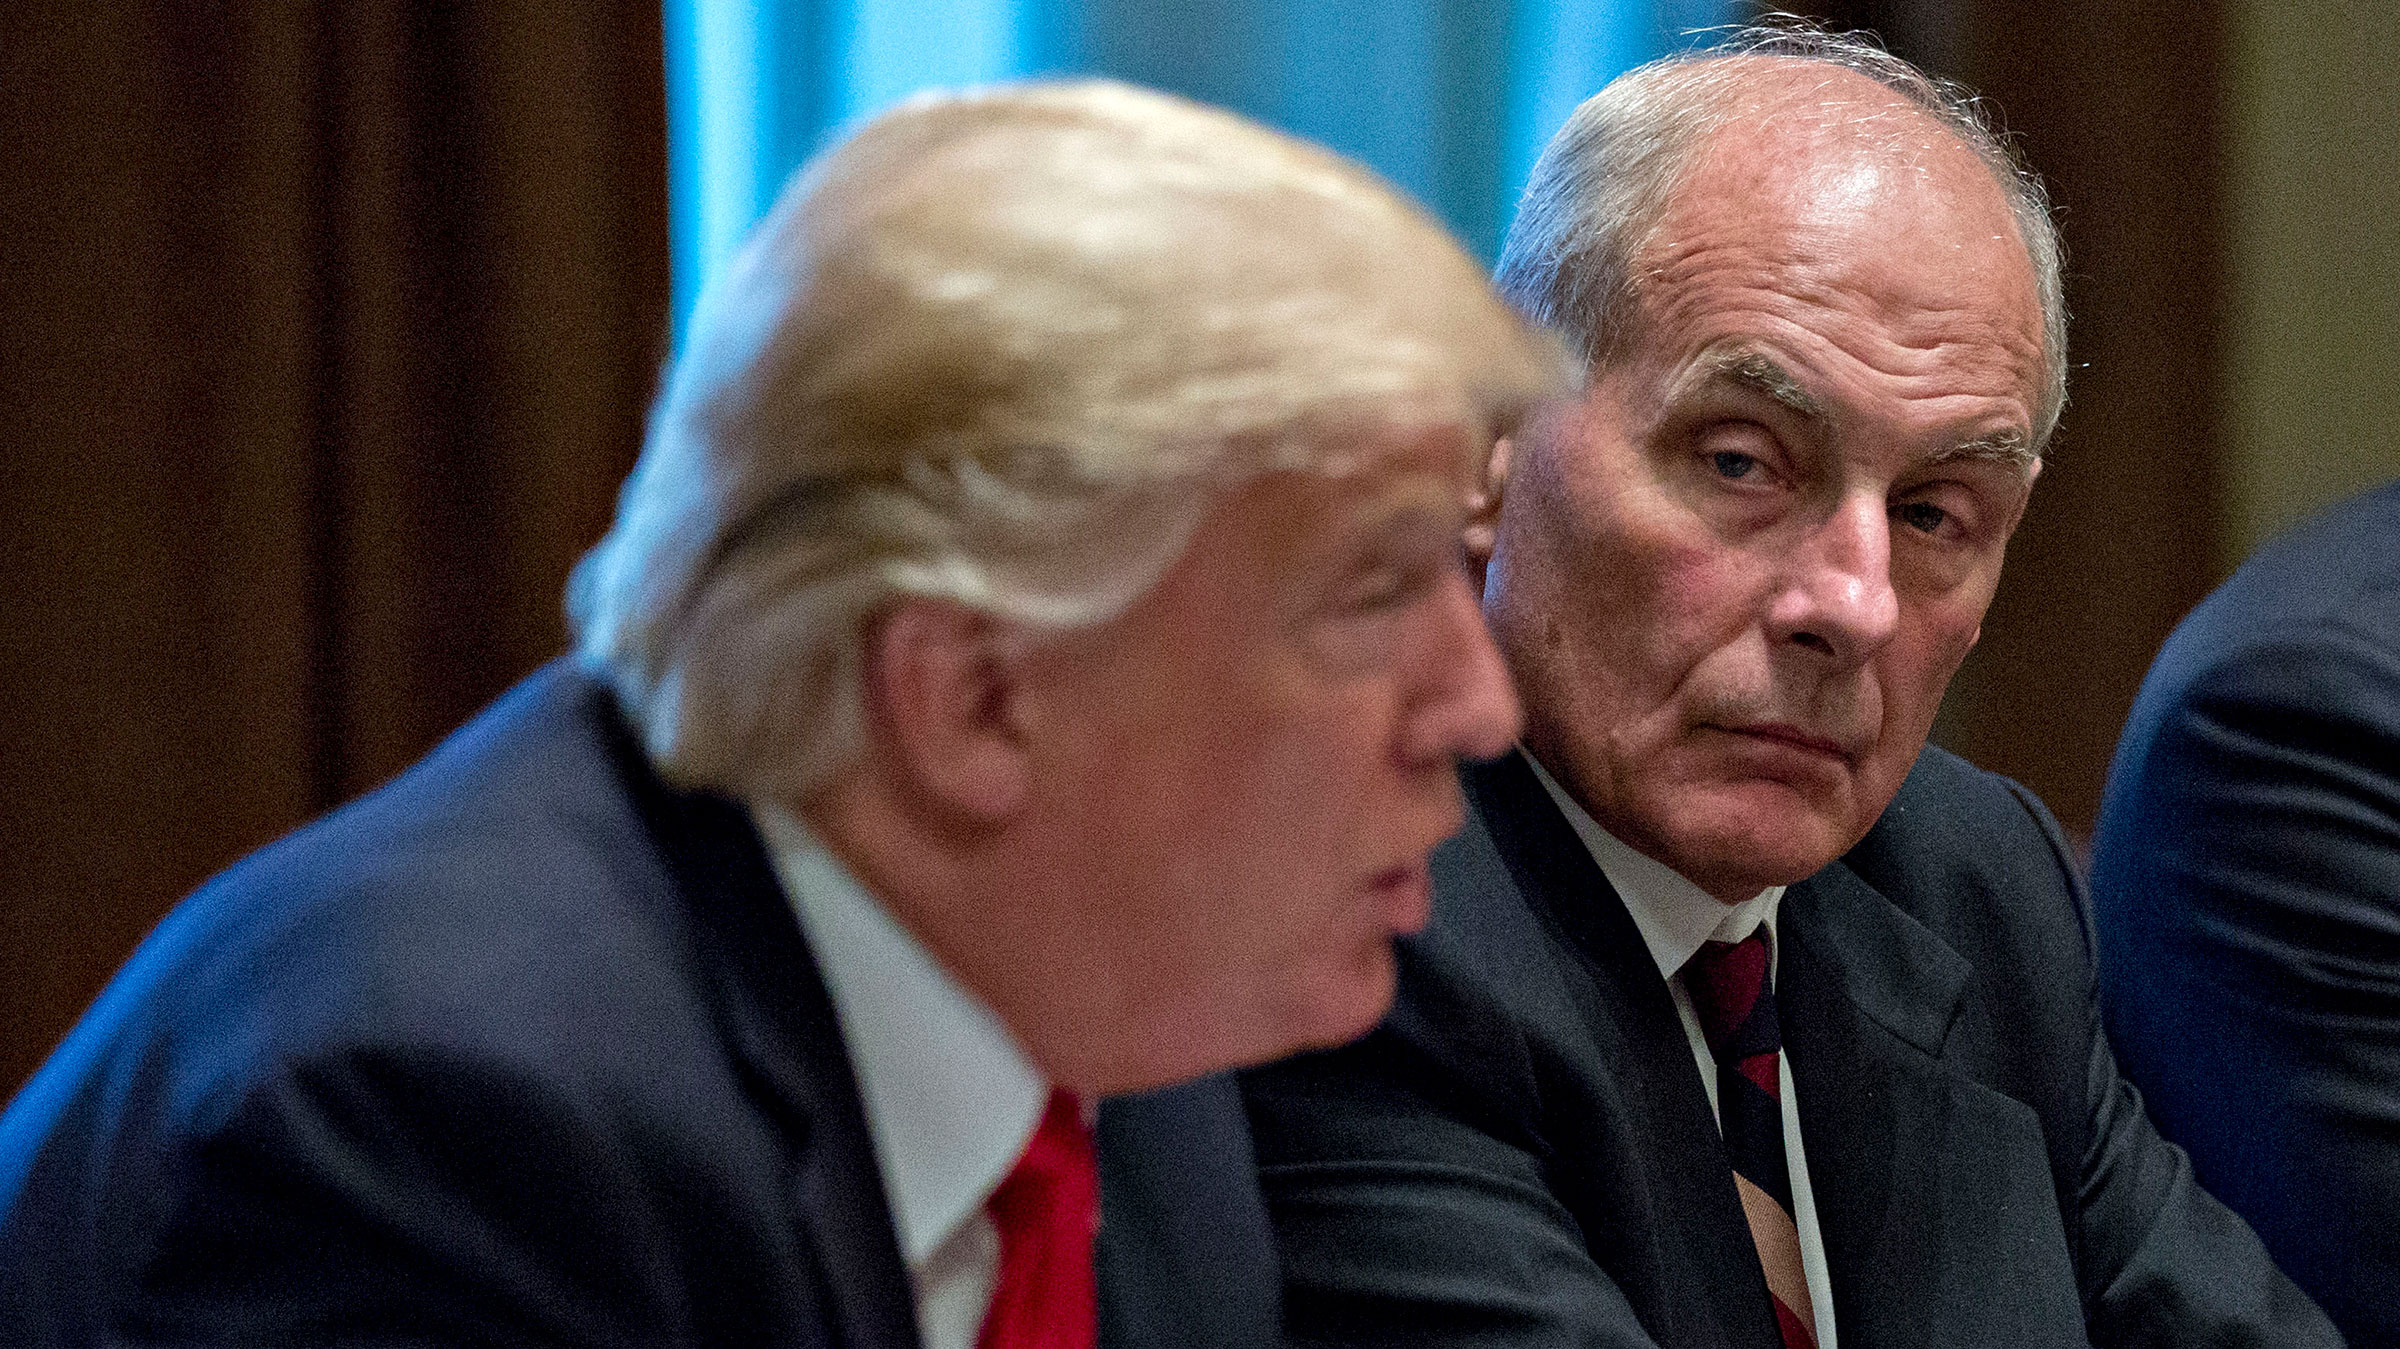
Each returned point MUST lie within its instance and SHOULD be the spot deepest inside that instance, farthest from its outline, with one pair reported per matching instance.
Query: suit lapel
(1185, 1254)
(1933, 1190)
(1710, 1289)
(1867, 997)
(781, 1022)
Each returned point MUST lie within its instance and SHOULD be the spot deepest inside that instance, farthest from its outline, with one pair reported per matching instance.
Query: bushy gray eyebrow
(1753, 370)
(1758, 372)
(2000, 447)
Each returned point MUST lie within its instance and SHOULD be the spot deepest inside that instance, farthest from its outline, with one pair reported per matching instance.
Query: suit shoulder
(499, 901)
(1950, 804)
(2264, 683)
(1980, 860)
(2315, 595)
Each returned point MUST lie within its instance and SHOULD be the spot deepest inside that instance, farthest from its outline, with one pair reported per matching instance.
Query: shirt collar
(1675, 916)
(950, 1098)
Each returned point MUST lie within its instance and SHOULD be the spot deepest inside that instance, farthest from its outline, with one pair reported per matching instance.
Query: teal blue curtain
(1451, 99)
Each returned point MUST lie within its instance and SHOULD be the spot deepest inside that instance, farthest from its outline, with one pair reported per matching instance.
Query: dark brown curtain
(327, 332)
(2116, 103)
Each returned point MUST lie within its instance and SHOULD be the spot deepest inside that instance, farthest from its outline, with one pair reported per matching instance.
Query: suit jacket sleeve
(1415, 1205)
(2161, 1261)
(2248, 869)
(398, 1197)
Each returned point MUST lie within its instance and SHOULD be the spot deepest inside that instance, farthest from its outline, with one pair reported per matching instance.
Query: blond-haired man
(1026, 668)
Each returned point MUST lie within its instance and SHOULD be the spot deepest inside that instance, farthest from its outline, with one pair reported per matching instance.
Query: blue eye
(1732, 464)
(1921, 516)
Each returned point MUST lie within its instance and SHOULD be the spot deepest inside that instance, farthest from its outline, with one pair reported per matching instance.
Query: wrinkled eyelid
(1906, 510)
(1388, 581)
(1752, 468)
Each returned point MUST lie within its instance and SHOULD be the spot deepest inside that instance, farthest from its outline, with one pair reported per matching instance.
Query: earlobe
(941, 686)
(1482, 530)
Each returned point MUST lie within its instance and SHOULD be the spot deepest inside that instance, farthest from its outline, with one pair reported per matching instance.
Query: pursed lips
(1405, 891)
(1796, 738)
(1405, 896)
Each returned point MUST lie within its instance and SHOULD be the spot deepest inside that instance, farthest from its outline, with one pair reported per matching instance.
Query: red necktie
(1732, 987)
(1047, 1210)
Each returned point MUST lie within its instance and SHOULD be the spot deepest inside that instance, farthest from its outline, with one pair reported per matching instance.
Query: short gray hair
(1004, 348)
(1605, 180)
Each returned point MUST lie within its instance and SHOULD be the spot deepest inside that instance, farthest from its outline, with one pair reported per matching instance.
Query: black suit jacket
(2246, 877)
(1524, 1154)
(524, 1049)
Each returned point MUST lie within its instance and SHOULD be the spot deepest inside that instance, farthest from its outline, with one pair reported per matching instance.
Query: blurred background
(326, 331)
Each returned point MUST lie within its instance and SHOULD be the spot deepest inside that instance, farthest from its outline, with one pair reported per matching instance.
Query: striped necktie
(1732, 989)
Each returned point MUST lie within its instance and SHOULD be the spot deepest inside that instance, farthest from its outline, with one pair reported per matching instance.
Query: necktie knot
(1046, 1211)
(1056, 1178)
(1732, 988)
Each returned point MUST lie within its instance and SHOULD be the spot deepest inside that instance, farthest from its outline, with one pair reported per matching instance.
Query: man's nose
(1466, 706)
(1837, 599)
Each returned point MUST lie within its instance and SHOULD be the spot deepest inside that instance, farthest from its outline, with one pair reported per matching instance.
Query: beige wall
(2313, 201)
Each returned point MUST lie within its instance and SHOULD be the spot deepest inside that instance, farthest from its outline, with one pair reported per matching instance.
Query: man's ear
(941, 684)
(1483, 511)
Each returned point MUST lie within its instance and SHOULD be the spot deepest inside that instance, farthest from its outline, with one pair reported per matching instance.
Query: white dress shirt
(1675, 918)
(951, 1100)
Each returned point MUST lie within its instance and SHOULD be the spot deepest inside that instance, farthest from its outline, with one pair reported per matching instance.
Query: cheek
(1329, 805)
(1270, 799)
(1913, 675)
(1310, 777)
(1700, 602)
(1674, 638)
(1917, 669)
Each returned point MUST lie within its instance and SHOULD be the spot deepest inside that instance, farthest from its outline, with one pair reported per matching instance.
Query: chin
(1313, 1006)
(1340, 1005)
(1751, 851)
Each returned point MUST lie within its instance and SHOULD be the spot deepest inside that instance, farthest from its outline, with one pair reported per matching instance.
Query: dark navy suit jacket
(1524, 1154)
(524, 1049)
(2247, 878)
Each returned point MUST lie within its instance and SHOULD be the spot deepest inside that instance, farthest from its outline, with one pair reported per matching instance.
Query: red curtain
(325, 337)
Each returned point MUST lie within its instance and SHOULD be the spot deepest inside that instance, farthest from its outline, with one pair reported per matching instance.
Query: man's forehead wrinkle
(1788, 299)
(1702, 278)
(1739, 361)
(1930, 377)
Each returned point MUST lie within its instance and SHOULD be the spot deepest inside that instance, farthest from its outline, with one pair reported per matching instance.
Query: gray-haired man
(1636, 1090)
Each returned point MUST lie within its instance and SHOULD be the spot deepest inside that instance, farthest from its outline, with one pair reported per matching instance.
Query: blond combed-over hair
(1004, 348)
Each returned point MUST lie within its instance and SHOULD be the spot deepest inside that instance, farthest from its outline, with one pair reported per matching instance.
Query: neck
(1025, 947)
